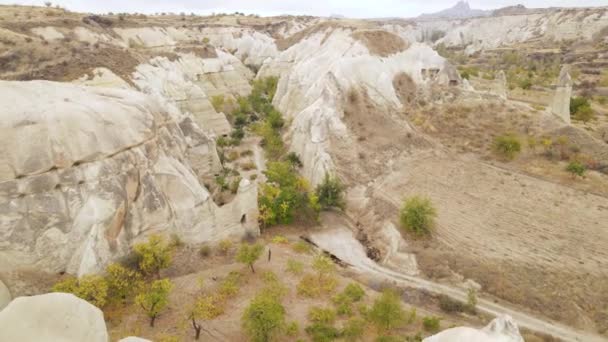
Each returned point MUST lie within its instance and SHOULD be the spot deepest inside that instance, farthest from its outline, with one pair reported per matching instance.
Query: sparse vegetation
(154, 255)
(248, 254)
(418, 215)
(294, 266)
(431, 324)
(155, 298)
(507, 146)
(576, 168)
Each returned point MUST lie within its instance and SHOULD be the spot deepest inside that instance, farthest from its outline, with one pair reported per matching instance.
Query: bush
(294, 266)
(353, 329)
(155, 298)
(248, 254)
(263, 318)
(321, 315)
(387, 313)
(154, 255)
(330, 193)
(122, 282)
(205, 308)
(507, 146)
(292, 329)
(231, 285)
(320, 332)
(204, 251)
(354, 292)
(431, 324)
(294, 159)
(576, 168)
(92, 288)
(584, 114)
(225, 246)
(418, 215)
(344, 300)
(279, 239)
(449, 305)
(578, 102)
(302, 247)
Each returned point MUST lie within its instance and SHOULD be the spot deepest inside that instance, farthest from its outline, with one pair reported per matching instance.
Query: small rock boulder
(501, 329)
(59, 317)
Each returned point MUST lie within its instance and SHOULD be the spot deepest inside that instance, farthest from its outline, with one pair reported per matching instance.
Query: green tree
(387, 313)
(418, 215)
(205, 308)
(248, 254)
(263, 318)
(153, 255)
(507, 146)
(92, 288)
(330, 193)
(576, 168)
(122, 282)
(154, 299)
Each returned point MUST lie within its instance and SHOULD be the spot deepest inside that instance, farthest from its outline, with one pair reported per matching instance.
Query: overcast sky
(350, 8)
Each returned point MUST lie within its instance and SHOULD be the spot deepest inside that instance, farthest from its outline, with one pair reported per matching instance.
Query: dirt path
(339, 241)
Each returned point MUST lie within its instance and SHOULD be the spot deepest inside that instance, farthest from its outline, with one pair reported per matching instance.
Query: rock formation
(501, 329)
(560, 106)
(5, 295)
(85, 171)
(500, 85)
(52, 317)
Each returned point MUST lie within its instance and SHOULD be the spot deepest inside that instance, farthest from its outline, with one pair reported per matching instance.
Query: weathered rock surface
(560, 106)
(85, 171)
(5, 295)
(501, 329)
(57, 317)
(134, 339)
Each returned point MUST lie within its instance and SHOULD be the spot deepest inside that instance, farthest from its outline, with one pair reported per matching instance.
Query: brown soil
(380, 43)
(286, 43)
(405, 88)
(206, 51)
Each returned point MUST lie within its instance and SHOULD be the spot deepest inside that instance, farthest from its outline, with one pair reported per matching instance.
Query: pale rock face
(560, 106)
(501, 329)
(250, 46)
(86, 171)
(57, 317)
(5, 295)
(48, 33)
(134, 339)
(189, 82)
(491, 32)
(102, 77)
(318, 72)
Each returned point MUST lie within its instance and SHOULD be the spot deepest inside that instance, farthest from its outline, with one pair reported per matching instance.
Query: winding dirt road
(339, 241)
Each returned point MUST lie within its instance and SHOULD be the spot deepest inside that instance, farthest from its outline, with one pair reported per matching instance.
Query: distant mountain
(460, 11)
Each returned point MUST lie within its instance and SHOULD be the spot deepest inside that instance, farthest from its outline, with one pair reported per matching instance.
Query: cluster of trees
(142, 285)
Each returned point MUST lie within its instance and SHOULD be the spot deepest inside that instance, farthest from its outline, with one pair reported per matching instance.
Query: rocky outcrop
(85, 171)
(318, 72)
(5, 295)
(560, 106)
(52, 317)
(501, 329)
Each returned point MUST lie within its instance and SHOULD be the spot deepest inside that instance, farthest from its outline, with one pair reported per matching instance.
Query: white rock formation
(560, 106)
(57, 317)
(85, 171)
(134, 339)
(500, 85)
(318, 72)
(501, 329)
(5, 295)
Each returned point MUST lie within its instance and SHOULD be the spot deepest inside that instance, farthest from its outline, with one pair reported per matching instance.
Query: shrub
(292, 329)
(279, 239)
(449, 305)
(205, 308)
(320, 332)
(225, 246)
(302, 247)
(204, 251)
(294, 266)
(231, 285)
(248, 254)
(153, 255)
(294, 159)
(354, 292)
(578, 102)
(344, 300)
(431, 324)
(312, 286)
(155, 298)
(507, 146)
(330, 193)
(321, 315)
(584, 114)
(472, 299)
(353, 329)
(576, 168)
(176, 241)
(263, 318)
(525, 83)
(92, 288)
(418, 215)
(122, 282)
(387, 313)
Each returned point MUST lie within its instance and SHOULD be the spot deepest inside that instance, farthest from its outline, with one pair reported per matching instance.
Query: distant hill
(460, 11)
